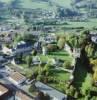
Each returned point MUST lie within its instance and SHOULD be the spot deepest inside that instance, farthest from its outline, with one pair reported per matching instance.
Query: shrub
(61, 43)
(67, 64)
(52, 47)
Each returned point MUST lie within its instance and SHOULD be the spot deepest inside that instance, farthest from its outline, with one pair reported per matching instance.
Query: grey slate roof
(50, 91)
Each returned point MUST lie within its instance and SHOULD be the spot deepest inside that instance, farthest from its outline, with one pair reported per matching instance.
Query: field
(59, 54)
(39, 3)
(89, 24)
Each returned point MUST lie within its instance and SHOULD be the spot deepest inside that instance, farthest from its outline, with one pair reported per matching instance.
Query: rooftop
(3, 90)
(50, 91)
(17, 76)
(22, 96)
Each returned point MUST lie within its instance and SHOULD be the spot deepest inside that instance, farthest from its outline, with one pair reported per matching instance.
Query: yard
(62, 77)
(62, 55)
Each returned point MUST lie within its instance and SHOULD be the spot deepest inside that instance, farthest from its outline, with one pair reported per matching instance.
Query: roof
(2, 58)
(50, 91)
(17, 76)
(22, 96)
(3, 90)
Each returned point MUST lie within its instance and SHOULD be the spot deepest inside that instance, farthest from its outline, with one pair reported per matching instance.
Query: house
(94, 38)
(17, 78)
(54, 94)
(76, 52)
(73, 52)
(50, 38)
(44, 50)
(3, 90)
(37, 46)
(36, 60)
(2, 59)
(68, 48)
(22, 96)
(21, 48)
(6, 50)
(93, 35)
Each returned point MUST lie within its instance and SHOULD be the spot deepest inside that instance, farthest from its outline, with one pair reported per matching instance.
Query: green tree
(95, 76)
(47, 69)
(87, 85)
(29, 60)
(67, 64)
(17, 39)
(61, 43)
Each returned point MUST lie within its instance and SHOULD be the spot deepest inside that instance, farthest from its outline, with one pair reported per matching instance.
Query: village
(48, 53)
(39, 66)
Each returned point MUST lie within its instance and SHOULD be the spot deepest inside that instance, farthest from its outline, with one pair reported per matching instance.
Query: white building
(44, 50)
(68, 49)
(94, 38)
(36, 60)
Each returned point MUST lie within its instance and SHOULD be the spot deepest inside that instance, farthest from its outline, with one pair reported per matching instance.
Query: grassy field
(60, 76)
(63, 2)
(63, 55)
(6, 1)
(89, 24)
(40, 4)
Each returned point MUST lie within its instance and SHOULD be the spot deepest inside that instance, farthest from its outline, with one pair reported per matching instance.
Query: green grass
(63, 55)
(63, 3)
(44, 5)
(6, 1)
(61, 75)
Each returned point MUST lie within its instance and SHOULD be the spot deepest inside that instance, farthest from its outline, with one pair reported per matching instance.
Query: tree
(41, 96)
(67, 64)
(47, 69)
(52, 47)
(87, 85)
(29, 60)
(29, 38)
(61, 43)
(47, 97)
(17, 39)
(89, 50)
(95, 75)
(74, 41)
(39, 77)
(72, 91)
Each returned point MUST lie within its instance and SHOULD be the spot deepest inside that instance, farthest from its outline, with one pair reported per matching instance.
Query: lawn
(6, 1)
(63, 3)
(40, 4)
(61, 75)
(62, 55)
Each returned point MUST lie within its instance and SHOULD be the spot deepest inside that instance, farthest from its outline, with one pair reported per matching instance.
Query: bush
(52, 47)
(61, 43)
(67, 64)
